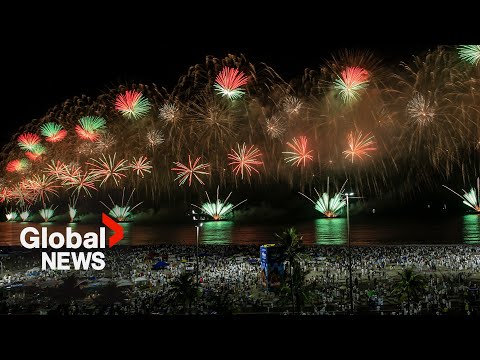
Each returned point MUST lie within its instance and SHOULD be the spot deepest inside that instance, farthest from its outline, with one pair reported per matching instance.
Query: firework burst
(168, 112)
(471, 198)
(42, 186)
(359, 146)
(55, 169)
(469, 53)
(420, 110)
(132, 104)
(80, 181)
(47, 213)
(141, 165)
(90, 128)
(351, 82)
(29, 141)
(219, 209)
(328, 206)
(17, 165)
(123, 211)
(299, 153)
(229, 82)
(11, 215)
(108, 169)
(292, 105)
(105, 141)
(53, 132)
(187, 172)
(275, 127)
(244, 160)
(72, 208)
(155, 138)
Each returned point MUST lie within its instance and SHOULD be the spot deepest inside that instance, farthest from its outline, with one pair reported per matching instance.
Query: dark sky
(57, 57)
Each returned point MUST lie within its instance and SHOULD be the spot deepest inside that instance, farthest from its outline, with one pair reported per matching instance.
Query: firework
(132, 104)
(70, 172)
(55, 169)
(420, 110)
(47, 213)
(329, 206)
(53, 132)
(155, 138)
(5, 194)
(36, 153)
(168, 112)
(351, 81)
(72, 208)
(32, 156)
(299, 153)
(219, 209)
(469, 53)
(104, 142)
(471, 198)
(80, 181)
(11, 215)
(292, 104)
(42, 186)
(229, 82)
(123, 211)
(106, 169)
(25, 213)
(17, 165)
(244, 160)
(28, 141)
(141, 165)
(275, 127)
(90, 127)
(359, 145)
(188, 172)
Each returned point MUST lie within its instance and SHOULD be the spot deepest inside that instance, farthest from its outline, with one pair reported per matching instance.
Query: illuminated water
(364, 231)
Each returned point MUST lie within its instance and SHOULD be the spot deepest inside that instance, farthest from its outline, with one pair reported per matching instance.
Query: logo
(31, 238)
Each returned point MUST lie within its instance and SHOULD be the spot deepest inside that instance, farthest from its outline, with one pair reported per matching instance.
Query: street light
(350, 196)
(198, 226)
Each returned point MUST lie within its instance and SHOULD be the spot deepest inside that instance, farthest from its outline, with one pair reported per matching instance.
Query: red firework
(28, 141)
(299, 153)
(33, 156)
(86, 135)
(228, 82)
(244, 160)
(59, 136)
(192, 170)
(354, 76)
(16, 165)
(359, 145)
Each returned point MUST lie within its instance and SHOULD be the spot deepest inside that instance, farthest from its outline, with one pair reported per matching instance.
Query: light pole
(198, 226)
(349, 196)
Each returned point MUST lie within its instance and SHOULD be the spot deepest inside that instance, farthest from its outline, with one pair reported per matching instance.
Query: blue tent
(160, 265)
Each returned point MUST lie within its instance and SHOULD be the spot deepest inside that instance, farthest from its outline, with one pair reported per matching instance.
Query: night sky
(56, 58)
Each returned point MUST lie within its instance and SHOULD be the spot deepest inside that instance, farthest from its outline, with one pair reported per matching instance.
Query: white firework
(105, 142)
(292, 105)
(155, 138)
(420, 110)
(275, 127)
(168, 112)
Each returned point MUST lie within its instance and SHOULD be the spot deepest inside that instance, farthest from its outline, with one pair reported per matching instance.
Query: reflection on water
(216, 232)
(363, 231)
(331, 231)
(471, 229)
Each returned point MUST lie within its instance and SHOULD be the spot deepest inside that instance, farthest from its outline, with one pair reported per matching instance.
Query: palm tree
(299, 287)
(410, 286)
(184, 290)
(292, 245)
(222, 302)
(110, 294)
(66, 292)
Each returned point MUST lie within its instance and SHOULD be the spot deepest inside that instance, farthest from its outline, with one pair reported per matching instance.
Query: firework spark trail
(329, 206)
(155, 138)
(43, 186)
(29, 141)
(299, 153)
(90, 127)
(108, 169)
(275, 127)
(187, 172)
(219, 209)
(53, 132)
(245, 160)
(292, 104)
(359, 145)
(351, 82)
(123, 211)
(470, 198)
(469, 53)
(81, 181)
(141, 165)
(229, 82)
(419, 110)
(104, 142)
(168, 112)
(132, 104)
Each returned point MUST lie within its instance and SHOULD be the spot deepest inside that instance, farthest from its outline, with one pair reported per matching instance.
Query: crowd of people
(230, 282)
